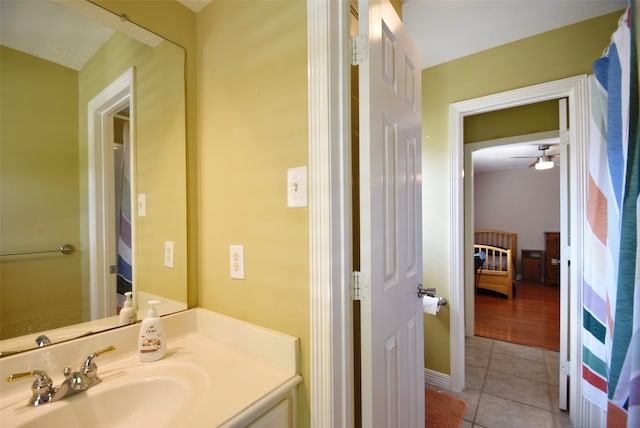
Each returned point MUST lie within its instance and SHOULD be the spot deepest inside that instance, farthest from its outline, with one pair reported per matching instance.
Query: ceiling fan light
(544, 164)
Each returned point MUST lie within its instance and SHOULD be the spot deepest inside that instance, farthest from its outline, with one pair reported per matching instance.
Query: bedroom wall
(524, 201)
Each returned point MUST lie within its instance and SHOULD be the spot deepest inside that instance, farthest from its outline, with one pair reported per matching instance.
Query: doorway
(509, 194)
(575, 90)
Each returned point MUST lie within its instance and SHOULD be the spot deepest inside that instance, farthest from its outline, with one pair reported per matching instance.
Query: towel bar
(65, 249)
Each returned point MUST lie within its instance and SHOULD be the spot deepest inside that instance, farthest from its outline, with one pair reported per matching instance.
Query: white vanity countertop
(247, 367)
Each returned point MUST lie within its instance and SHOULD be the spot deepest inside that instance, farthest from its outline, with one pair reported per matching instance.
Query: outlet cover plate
(236, 261)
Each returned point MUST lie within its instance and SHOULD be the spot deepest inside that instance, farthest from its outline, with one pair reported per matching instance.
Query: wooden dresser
(532, 263)
(552, 258)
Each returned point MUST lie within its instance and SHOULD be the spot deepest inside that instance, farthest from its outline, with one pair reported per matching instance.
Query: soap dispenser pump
(152, 343)
(127, 313)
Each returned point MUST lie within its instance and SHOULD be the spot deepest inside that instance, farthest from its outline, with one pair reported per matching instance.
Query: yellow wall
(39, 194)
(564, 52)
(252, 105)
(252, 126)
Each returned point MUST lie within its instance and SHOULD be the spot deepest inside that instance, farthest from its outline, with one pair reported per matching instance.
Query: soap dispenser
(152, 343)
(128, 312)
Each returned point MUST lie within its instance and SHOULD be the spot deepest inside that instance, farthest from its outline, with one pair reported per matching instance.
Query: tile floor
(509, 385)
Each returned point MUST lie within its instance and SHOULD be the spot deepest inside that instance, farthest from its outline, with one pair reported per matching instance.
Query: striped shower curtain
(124, 278)
(611, 295)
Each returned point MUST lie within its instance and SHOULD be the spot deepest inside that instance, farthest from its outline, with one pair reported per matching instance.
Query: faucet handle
(42, 387)
(90, 369)
(89, 360)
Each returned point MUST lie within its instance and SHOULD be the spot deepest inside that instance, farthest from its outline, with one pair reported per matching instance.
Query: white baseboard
(438, 379)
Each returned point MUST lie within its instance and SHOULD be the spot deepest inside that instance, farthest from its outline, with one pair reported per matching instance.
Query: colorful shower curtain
(611, 291)
(124, 279)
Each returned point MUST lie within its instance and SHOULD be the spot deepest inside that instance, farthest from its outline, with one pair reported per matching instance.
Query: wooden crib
(497, 271)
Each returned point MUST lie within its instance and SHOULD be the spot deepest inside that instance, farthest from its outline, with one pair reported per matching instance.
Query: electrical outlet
(168, 254)
(236, 261)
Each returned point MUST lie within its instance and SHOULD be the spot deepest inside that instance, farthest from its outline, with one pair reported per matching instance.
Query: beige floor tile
(478, 342)
(497, 412)
(474, 377)
(516, 388)
(470, 398)
(477, 357)
(518, 350)
(562, 420)
(517, 366)
(466, 424)
(551, 355)
(553, 372)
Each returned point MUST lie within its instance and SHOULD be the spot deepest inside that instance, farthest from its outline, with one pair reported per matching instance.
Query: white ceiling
(512, 156)
(50, 31)
(444, 30)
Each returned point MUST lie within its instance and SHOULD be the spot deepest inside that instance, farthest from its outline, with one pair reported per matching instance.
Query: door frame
(102, 242)
(330, 212)
(576, 90)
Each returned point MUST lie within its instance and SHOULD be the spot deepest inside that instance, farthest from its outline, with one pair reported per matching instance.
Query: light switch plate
(236, 261)
(297, 187)
(142, 204)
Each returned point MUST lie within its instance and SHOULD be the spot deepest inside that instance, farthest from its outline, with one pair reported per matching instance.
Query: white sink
(160, 394)
(217, 372)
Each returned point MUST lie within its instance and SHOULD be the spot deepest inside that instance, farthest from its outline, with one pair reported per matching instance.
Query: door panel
(390, 222)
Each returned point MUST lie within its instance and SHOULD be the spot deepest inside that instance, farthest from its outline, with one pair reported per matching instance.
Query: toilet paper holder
(431, 292)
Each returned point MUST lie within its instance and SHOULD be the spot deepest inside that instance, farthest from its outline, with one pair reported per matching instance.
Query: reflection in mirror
(87, 163)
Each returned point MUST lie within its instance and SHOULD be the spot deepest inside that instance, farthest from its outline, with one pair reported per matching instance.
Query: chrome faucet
(43, 390)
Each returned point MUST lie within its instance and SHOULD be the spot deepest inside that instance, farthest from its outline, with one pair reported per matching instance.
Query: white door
(390, 216)
(565, 240)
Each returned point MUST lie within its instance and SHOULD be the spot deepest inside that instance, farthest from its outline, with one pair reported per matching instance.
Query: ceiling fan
(544, 161)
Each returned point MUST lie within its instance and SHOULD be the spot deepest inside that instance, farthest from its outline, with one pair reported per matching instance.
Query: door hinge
(113, 269)
(359, 286)
(565, 368)
(359, 49)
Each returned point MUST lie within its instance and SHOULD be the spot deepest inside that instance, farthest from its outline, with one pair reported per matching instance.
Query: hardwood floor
(532, 318)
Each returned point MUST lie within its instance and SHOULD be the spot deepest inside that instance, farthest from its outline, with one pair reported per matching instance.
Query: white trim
(101, 110)
(434, 378)
(331, 384)
(574, 88)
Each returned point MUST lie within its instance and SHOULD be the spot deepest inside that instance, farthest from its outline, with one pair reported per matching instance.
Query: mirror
(81, 123)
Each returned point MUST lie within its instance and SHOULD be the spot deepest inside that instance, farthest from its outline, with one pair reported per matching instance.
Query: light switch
(236, 261)
(297, 187)
(142, 204)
